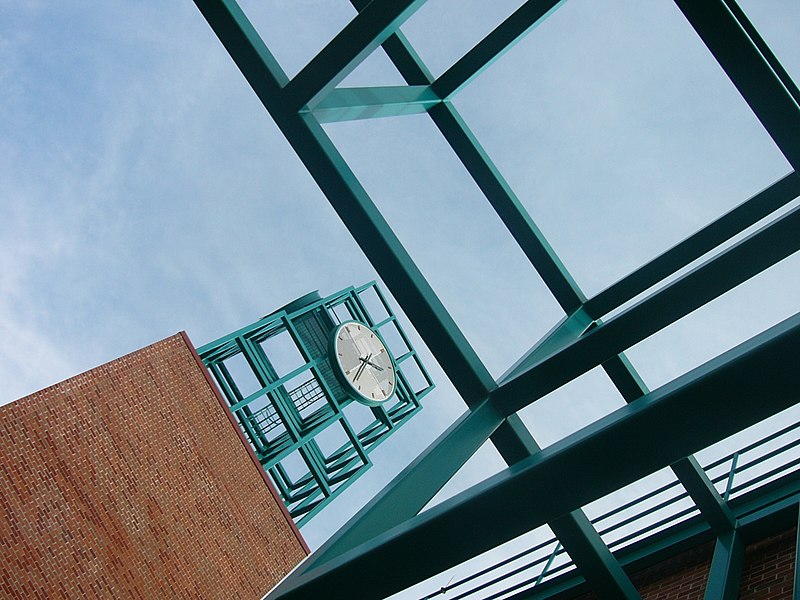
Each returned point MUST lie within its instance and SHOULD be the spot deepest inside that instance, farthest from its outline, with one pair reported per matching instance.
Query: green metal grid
(285, 417)
(376, 553)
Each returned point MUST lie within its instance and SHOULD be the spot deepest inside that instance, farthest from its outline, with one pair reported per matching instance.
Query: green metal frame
(376, 553)
(283, 418)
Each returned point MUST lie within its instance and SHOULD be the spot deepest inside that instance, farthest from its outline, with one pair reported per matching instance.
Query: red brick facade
(130, 481)
(767, 573)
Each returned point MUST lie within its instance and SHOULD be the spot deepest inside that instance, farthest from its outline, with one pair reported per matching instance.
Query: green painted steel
(284, 416)
(726, 567)
(502, 507)
(349, 104)
(383, 536)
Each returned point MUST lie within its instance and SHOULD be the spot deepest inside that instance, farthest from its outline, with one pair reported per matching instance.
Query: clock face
(364, 363)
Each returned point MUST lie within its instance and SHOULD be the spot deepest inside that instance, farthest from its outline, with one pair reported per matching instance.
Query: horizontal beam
(494, 45)
(700, 408)
(749, 71)
(696, 245)
(366, 32)
(737, 264)
(351, 104)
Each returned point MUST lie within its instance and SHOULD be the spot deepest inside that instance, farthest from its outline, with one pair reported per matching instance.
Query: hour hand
(364, 362)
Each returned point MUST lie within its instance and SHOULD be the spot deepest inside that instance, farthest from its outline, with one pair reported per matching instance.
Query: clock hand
(372, 364)
(364, 362)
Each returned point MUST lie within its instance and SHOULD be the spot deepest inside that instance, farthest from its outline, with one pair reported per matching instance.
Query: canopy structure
(380, 551)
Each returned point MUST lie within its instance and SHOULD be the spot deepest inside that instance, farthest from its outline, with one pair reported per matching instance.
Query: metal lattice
(284, 414)
(378, 552)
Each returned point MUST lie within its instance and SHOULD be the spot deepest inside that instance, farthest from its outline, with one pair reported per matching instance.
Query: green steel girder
(416, 485)
(516, 218)
(726, 567)
(695, 246)
(574, 530)
(368, 30)
(796, 584)
(749, 70)
(499, 509)
(494, 45)
(352, 203)
(350, 104)
(577, 344)
(737, 264)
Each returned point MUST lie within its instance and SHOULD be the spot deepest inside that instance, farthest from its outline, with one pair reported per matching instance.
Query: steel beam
(416, 485)
(350, 104)
(687, 470)
(726, 567)
(707, 404)
(368, 30)
(488, 178)
(796, 583)
(494, 45)
(696, 245)
(574, 530)
(749, 71)
(352, 203)
(725, 271)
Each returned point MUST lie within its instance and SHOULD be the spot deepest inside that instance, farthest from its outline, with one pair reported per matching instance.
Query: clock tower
(315, 386)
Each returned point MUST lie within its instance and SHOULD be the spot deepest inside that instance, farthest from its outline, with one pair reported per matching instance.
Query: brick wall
(130, 481)
(767, 573)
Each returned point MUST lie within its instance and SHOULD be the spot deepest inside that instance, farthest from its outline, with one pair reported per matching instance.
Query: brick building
(130, 480)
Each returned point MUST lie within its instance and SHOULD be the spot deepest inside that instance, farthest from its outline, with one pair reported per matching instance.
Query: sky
(144, 190)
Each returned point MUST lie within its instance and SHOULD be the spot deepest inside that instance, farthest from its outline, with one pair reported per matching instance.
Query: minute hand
(364, 362)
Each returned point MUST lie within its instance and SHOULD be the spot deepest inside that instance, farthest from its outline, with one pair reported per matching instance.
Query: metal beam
(350, 104)
(696, 245)
(726, 567)
(494, 45)
(749, 71)
(488, 178)
(574, 530)
(725, 271)
(687, 470)
(349, 199)
(700, 408)
(566, 331)
(414, 486)
(796, 584)
(368, 30)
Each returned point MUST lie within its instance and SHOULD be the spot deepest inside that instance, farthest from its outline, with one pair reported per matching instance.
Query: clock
(362, 363)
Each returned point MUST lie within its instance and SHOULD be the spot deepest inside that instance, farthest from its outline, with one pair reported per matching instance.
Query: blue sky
(144, 189)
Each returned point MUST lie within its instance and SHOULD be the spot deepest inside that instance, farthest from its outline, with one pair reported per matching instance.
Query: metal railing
(741, 471)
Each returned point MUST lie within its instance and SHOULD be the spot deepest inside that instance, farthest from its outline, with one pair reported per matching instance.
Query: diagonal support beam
(574, 530)
(691, 475)
(494, 45)
(696, 245)
(730, 389)
(368, 30)
(488, 178)
(725, 271)
(749, 70)
(349, 199)
(726, 567)
(350, 104)
(416, 485)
